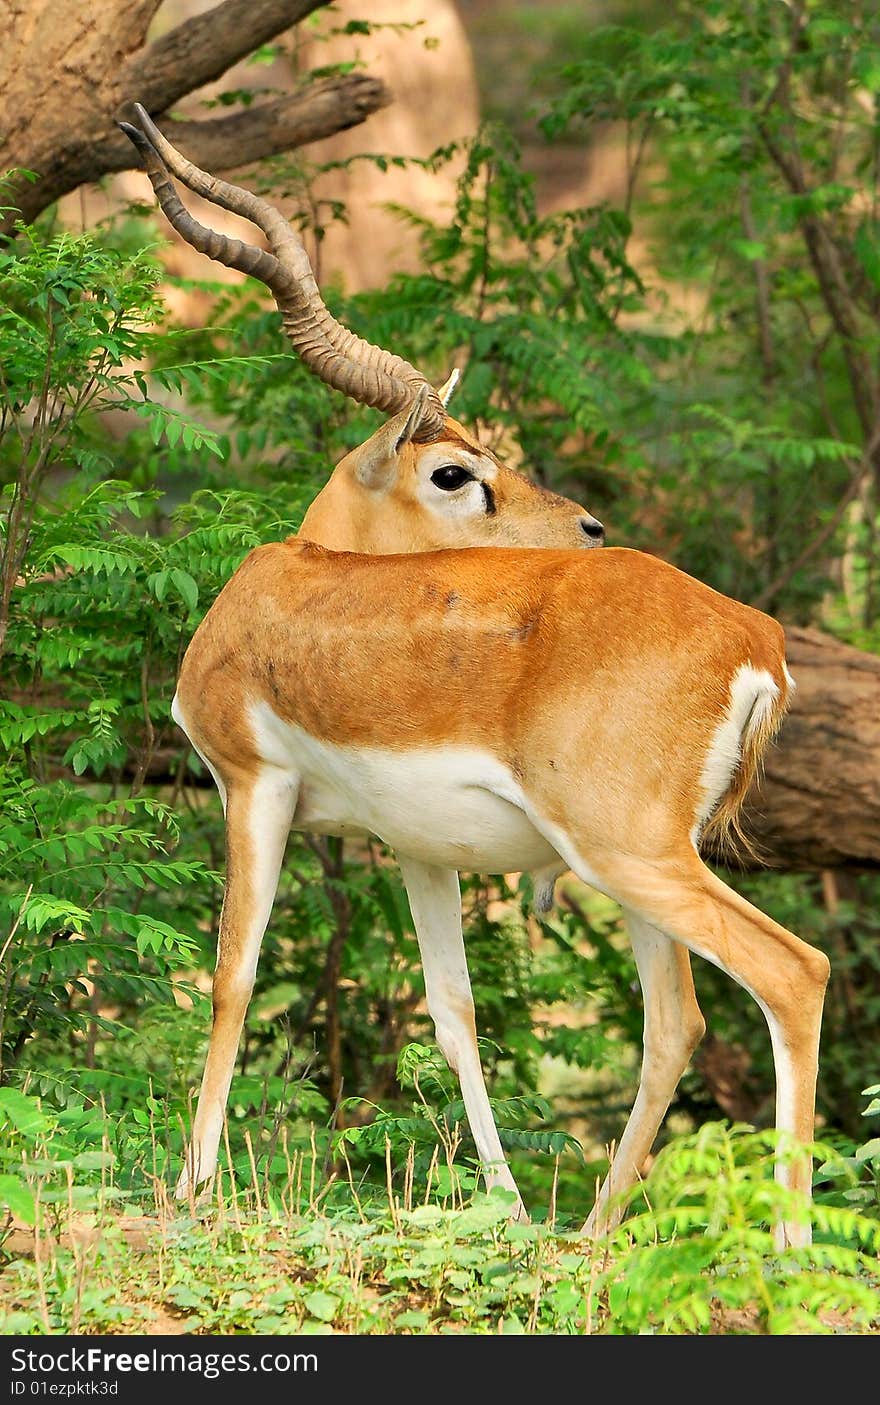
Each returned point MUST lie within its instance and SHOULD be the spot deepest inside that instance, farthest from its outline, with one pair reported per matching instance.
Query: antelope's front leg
(435, 902)
(258, 814)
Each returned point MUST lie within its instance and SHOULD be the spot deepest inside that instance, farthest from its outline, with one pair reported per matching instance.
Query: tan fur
(626, 663)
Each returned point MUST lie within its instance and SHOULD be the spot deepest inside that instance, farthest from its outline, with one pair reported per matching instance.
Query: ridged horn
(343, 360)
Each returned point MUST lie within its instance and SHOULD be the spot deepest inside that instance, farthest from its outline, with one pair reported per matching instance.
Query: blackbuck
(481, 709)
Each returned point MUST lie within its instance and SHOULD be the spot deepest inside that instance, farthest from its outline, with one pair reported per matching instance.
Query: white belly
(454, 806)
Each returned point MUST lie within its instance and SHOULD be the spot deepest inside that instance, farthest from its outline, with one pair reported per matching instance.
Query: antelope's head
(422, 481)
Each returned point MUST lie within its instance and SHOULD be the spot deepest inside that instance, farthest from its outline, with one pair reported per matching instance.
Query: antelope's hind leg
(673, 1028)
(682, 898)
(259, 810)
(435, 901)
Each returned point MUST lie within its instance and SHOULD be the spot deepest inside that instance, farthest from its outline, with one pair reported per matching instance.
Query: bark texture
(68, 71)
(819, 804)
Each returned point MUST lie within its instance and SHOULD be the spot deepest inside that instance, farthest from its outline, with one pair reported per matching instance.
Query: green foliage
(855, 1169)
(696, 1257)
(93, 613)
(433, 1129)
(703, 1248)
(755, 126)
(140, 462)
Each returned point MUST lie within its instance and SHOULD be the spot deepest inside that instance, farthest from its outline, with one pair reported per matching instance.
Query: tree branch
(204, 47)
(318, 111)
(134, 21)
(324, 107)
(64, 128)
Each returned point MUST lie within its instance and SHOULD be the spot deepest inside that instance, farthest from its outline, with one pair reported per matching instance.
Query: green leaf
(522, 1233)
(94, 1160)
(23, 1112)
(416, 1321)
(322, 1305)
(870, 1151)
(158, 583)
(19, 1198)
(187, 588)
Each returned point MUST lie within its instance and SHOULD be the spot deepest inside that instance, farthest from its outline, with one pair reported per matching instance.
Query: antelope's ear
(448, 386)
(377, 461)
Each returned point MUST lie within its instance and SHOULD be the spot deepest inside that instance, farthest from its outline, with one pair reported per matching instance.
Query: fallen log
(819, 803)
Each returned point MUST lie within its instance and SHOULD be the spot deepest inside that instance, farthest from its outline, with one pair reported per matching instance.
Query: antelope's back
(480, 647)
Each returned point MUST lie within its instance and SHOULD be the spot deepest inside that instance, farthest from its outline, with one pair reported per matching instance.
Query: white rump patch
(752, 696)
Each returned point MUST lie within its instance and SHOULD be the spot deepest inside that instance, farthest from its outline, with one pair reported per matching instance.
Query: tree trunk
(819, 804)
(67, 72)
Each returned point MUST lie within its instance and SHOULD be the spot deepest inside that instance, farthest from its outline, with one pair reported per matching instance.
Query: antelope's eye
(450, 477)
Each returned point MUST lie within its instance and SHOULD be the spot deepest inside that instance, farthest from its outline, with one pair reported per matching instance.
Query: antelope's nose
(593, 530)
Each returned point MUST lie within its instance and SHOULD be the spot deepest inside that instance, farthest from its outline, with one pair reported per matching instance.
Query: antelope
(410, 666)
